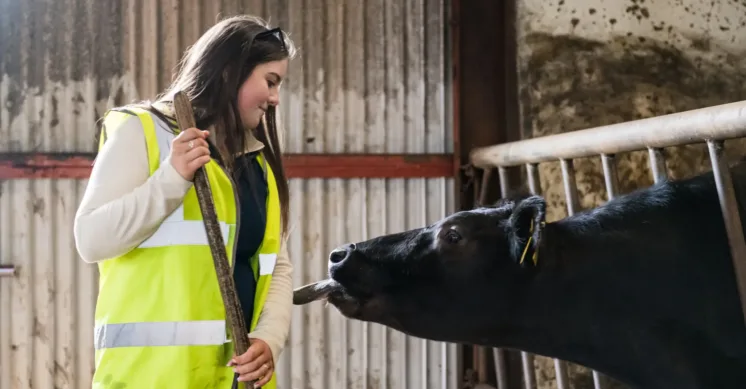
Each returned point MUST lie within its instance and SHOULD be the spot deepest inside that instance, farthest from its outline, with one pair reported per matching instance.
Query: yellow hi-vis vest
(160, 320)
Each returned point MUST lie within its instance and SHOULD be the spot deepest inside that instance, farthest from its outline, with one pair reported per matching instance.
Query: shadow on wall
(569, 83)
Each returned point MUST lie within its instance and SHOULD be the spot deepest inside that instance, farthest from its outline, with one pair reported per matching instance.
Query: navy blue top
(252, 196)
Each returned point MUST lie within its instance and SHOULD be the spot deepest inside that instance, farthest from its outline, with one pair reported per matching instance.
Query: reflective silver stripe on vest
(175, 230)
(152, 334)
(182, 233)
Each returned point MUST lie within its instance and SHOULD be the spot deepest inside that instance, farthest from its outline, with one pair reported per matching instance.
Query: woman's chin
(254, 123)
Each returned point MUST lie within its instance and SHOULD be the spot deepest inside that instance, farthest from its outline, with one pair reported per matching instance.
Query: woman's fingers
(190, 134)
(188, 140)
(197, 157)
(265, 378)
(252, 366)
(199, 162)
(264, 371)
(190, 151)
(196, 152)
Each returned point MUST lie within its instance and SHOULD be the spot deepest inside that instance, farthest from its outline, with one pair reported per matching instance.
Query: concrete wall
(584, 63)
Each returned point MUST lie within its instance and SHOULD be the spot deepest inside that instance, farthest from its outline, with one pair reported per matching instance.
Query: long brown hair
(211, 73)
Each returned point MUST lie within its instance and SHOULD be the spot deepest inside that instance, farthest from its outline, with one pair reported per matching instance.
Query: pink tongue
(315, 291)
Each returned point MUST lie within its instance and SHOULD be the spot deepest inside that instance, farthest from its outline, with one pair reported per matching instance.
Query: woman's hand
(189, 152)
(255, 364)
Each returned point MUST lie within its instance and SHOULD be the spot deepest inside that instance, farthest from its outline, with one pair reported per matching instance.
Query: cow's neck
(570, 312)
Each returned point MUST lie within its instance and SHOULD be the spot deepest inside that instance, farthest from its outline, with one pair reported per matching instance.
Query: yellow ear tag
(528, 243)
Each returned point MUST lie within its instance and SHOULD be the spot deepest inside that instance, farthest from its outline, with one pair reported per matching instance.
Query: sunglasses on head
(273, 34)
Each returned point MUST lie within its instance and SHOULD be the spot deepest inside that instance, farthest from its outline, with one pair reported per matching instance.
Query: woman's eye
(452, 236)
(271, 84)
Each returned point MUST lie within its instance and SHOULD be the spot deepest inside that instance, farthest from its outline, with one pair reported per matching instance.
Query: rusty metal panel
(324, 349)
(59, 67)
(65, 62)
(59, 63)
(370, 77)
(46, 309)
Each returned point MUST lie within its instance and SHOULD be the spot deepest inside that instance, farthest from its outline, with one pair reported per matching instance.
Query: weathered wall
(584, 63)
(372, 76)
(59, 63)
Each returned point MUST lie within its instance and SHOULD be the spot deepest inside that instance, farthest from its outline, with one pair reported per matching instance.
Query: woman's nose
(274, 99)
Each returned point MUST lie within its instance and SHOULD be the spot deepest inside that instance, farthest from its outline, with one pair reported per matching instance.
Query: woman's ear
(524, 228)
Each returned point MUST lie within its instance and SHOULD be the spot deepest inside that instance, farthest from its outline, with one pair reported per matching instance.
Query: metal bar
(484, 186)
(596, 380)
(527, 359)
(534, 184)
(482, 364)
(611, 180)
(560, 367)
(573, 205)
(658, 164)
(731, 215)
(500, 370)
(471, 172)
(7, 271)
(720, 122)
(504, 187)
(529, 372)
(611, 177)
(498, 354)
(571, 187)
(369, 165)
(78, 165)
(571, 197)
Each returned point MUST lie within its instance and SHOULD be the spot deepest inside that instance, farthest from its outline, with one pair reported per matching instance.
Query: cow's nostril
(338, 255)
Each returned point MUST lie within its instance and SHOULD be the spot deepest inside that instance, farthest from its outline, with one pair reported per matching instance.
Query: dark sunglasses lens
(276, 34)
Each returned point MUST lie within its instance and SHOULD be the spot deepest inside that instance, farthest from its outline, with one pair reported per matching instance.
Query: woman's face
(261, 90)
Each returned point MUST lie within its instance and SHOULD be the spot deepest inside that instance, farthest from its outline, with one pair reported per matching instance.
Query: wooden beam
(78, 165)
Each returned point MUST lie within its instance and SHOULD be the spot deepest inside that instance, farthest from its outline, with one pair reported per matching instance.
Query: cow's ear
(524, 229)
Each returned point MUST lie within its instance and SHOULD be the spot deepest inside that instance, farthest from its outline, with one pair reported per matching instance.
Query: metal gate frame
(712, 125)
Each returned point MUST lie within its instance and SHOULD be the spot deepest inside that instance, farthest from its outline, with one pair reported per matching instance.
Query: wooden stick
(185, 120)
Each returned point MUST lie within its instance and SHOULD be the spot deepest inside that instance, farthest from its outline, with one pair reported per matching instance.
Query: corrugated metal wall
(371, 77)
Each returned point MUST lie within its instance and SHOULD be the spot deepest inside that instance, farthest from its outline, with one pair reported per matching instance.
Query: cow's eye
(452, 237)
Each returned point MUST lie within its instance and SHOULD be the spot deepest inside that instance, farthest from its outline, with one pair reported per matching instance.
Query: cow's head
(458, 276)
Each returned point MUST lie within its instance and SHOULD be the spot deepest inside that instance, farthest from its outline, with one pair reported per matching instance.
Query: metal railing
(712, 125)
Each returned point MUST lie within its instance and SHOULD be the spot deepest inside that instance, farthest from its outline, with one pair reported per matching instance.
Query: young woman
(160, 320)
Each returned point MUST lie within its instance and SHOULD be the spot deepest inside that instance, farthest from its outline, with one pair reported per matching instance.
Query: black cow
(641, 289)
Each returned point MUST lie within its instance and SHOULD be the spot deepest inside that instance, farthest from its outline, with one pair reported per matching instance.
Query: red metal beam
(368, 165)
(78, 166)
